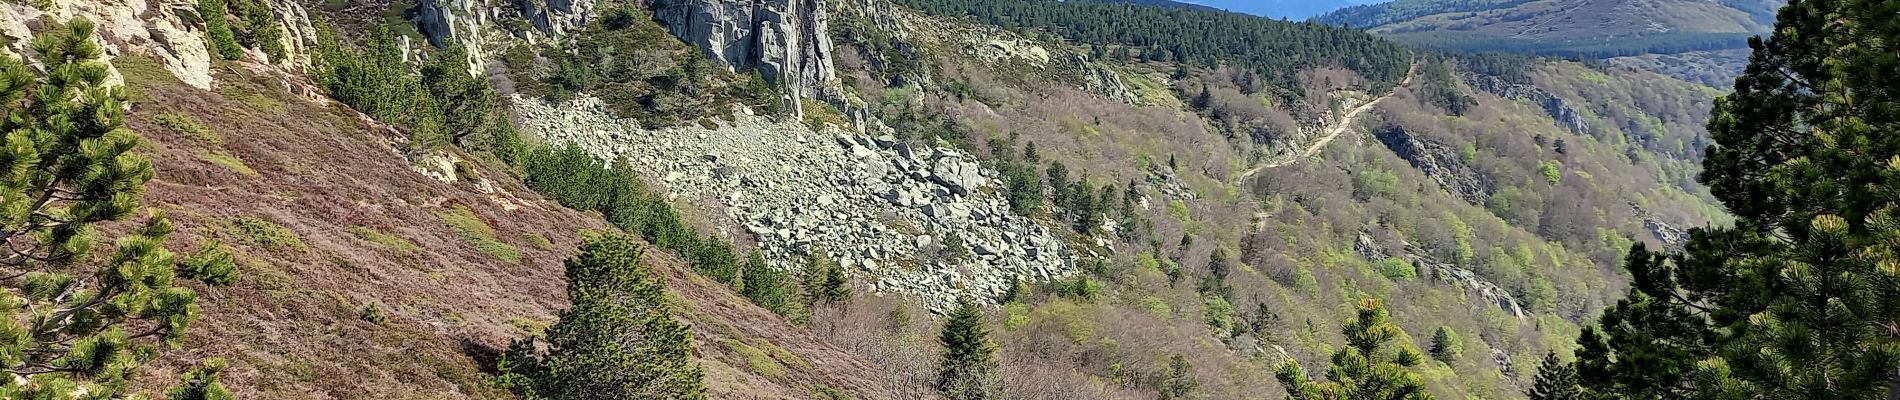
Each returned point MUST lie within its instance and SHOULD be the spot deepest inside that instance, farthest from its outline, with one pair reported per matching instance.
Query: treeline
(1582, 48)
(1276, 49)
(1373, 15)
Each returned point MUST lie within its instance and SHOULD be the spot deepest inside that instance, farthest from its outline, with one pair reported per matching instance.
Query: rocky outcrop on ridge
(902, 218)
(1559, 110)
(1489, 293)
(1669, 234)
(787, 41)
(170, 31)
(1438, 161)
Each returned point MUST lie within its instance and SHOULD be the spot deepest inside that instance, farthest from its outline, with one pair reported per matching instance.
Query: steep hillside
(1142, 207)
(1587, 28)
(455, 255)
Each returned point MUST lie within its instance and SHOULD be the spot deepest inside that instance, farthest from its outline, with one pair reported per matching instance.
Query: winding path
(1345, 123)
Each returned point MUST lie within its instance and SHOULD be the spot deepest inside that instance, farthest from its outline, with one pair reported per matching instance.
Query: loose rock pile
(883, 209)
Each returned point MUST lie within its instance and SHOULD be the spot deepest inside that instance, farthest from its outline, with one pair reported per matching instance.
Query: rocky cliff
(171, 31)
(1440, 162)
(1559, 110)
(786, 41)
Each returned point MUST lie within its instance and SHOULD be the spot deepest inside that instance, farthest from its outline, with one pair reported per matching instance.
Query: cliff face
(171, 31)
(787, 41)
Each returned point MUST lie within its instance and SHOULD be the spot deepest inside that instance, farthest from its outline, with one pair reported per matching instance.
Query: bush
(1396, 269)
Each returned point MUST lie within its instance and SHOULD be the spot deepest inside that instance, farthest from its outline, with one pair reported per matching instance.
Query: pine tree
(825, 281)
(1556, 380)
(766, 286)
(618, 341)
(218, 29)
(968, 370)
(1446, 345)
(202, 383)
(1361, 370)
(73, 321)
(1798, 298)
(1179, 383)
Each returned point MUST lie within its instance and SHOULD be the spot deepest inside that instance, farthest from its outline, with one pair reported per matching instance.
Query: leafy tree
(968, 370)
(1799, 298)
(618, 341)
(1361, 370)
(1446, 345)
(72, 322)
(1556, 380)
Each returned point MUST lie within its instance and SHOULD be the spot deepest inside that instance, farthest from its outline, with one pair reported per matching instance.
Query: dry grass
(227, 161)
(329, 182)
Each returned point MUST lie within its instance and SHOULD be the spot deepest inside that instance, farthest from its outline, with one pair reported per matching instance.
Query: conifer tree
(1446, 345)
(218, 29)
(1556, 380)
(765, 286)
(1798, 299)
(968, 370)
(1363, 369)
(70, 321)
(618, 341)
(825, 281)
(1179, 383)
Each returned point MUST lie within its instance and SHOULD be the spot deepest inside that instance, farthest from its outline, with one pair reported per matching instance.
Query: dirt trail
(1345, 123)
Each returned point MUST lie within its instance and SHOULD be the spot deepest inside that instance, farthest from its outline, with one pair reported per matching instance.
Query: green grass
(263, 232)
(188, 126)
(477, 233)
(822, 392)
(141, 74)
(760, 362)
(253, 98)
(385, 239)
(227, 161)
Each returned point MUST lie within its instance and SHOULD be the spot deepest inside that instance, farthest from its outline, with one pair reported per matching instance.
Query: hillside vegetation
(565, 204)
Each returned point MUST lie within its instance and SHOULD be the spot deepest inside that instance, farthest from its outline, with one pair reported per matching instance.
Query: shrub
(188, 126)
(1396, 269)
(262, 232)
(218, 29)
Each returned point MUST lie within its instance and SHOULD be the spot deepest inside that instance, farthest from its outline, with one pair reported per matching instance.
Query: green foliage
(766, 286)
(640, 71)
(1361, 370)
(1440, 88)
(969, 369)
(471, 111)
(373, 314)
(263, 232)
(1275, 49)
(1556, 380)
(258, 27)
(1447, 346)
(385, 239)
(825, 281)
(218, 29)
(212, 264)
(1796, 299)
(73, 322)
(1219, 314)
(228, 161)
(476, 231)
(618, 341)
(1179, 383)
(201, 383)
(1552, 171)
(376, 81)
(189, 126)
(715, 259)
(1396, 269)
(822, 392)
(1370, 183)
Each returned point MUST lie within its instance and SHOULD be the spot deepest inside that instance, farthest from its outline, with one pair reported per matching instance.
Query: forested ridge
(1276, 49)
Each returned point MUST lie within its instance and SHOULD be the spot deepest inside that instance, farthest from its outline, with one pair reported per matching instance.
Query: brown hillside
(329, 219)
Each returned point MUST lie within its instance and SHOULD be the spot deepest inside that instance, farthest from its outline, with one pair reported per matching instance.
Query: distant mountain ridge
(1577, 28)
(1277, 9)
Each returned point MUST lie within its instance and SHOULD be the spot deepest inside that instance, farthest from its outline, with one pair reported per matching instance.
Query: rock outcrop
(1668, 234)
(1439, 162)
(787, 41)
(903, 218)
(1559, 110)
(1489, 293)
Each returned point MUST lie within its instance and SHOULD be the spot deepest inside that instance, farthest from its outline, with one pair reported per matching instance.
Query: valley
(911, 199)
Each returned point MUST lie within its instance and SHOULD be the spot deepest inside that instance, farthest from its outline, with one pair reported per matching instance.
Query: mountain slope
(1564, 27)
(330, 220)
